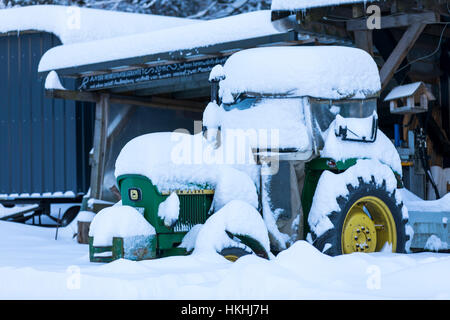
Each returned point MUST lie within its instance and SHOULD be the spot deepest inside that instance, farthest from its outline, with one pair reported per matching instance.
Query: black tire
(333, 236)
(233, 253)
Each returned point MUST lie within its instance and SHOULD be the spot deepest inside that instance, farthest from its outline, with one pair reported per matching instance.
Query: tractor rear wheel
(369, 218)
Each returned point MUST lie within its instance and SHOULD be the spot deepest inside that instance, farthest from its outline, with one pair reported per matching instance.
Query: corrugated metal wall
(44, 143)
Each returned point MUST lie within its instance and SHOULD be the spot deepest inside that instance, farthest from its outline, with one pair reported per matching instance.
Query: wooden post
(364, 40)
(399, 53)
(83, 232)
(100, 141)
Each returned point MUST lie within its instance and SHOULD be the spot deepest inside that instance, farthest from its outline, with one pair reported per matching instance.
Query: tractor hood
(327, 72)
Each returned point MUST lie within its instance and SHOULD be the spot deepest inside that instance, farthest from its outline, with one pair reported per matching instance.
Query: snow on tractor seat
(180, 161)
(327, 72)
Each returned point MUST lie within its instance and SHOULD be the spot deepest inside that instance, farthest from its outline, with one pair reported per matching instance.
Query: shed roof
(408, 90)
(74, 24)
(201, 34)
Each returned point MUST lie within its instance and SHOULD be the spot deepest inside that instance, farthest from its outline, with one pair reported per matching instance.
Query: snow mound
(434, 243)
(237, 217)
(85, 216)
(189, 239)
(118, 221)
(442, 204)
(169, 210)
(299, 71)
(52, 81)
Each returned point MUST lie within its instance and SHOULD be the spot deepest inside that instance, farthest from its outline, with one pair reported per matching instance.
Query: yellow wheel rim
(231, 257)
(368, 226)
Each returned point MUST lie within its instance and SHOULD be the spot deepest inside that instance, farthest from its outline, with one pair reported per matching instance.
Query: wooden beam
(399, 53)
(99, 146)
(152, 102)
(364, 40)
(73, 95)
(395, 21)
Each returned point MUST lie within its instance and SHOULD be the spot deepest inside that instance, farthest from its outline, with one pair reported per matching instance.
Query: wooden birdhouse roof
(409, 90)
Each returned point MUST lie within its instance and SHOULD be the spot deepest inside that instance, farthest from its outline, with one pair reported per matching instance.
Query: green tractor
(297, 132)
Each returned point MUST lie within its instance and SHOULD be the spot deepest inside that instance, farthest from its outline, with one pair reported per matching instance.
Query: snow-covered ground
(35, 266)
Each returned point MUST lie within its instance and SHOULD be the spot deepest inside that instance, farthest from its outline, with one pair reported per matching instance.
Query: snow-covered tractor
(290, 150)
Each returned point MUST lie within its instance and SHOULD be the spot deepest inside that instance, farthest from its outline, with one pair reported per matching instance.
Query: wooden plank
(399, 53)
(73, 95)
(396, 21)
(153, 102)
(99, 145)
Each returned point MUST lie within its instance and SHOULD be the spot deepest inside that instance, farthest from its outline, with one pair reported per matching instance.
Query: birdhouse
(410, 98)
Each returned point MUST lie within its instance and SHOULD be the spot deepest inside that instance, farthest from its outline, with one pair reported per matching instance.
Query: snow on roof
(74, 24)
(307, 4)
(329, 72)
(201, 34)
(406, 91)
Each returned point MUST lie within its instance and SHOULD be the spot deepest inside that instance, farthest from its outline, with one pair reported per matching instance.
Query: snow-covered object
(403, 91)
(440, 205)
(237, 217)
(408, 196)
(201, 34)
(357, 128)
(189, 239)
(212, 115)
(434, 243)
(169, 210)
(52, 81)
(217, 73)
(85, 216)
(307, 4)
(234, 185)
(280, 239)
(5, 211)
(382, 149)
(174, 161)
(331, 186)
(329, 72)
(268, 123)
(118, 221)
(74, 24)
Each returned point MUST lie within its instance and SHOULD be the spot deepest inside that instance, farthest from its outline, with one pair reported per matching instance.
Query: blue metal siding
(40, 142)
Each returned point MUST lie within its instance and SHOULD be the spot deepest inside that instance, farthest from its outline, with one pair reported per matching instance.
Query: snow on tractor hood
(327, 72)
(180, 161)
